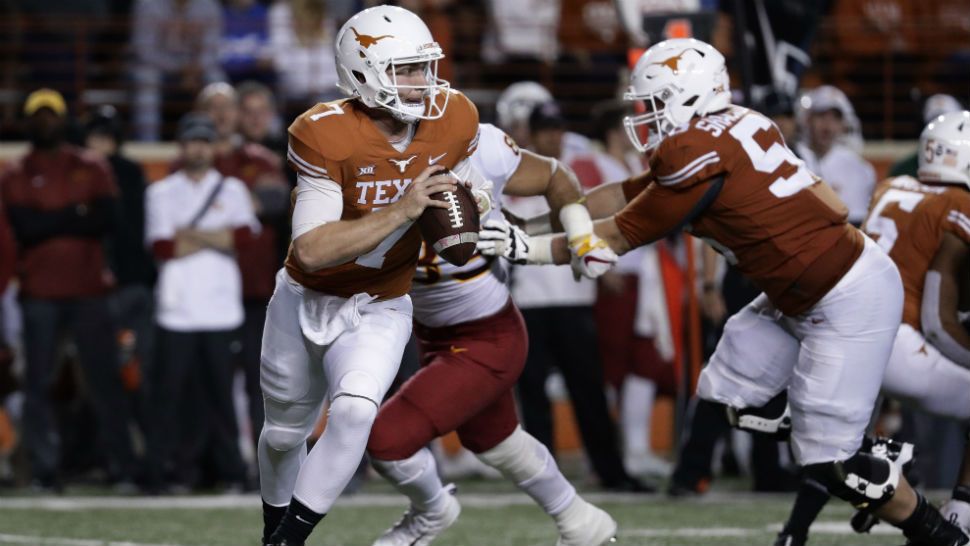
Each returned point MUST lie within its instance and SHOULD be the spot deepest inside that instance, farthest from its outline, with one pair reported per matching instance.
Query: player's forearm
(605, 200)
(335, 243)
(563, 190)
(558, 247)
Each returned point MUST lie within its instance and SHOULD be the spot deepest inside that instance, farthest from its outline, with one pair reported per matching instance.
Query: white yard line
(56, 541)
(819, 528)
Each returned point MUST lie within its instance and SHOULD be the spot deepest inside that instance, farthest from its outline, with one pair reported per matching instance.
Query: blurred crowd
(133, 308)
(149, 58)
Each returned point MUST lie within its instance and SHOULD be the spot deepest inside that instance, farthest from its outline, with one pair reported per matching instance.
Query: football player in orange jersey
(340, 316)
(924, 226)
(824, 327)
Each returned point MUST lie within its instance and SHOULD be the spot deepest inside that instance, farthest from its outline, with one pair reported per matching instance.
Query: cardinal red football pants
(465, 384)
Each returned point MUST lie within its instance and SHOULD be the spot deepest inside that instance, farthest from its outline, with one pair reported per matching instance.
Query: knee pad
(352, 412)
(864, 480)
(280, 438)
(899, 454)
(773, 419)
(359, 384)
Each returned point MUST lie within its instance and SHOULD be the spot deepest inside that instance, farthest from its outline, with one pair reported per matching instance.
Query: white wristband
(575, 221)
(540, 250)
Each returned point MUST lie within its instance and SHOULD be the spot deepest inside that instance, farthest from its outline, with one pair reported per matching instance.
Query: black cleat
(863, 521)
(785, 539)
(283, 542)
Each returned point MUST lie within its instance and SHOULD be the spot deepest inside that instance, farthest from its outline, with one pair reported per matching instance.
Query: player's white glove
(498, 237)
(483, 198)
(591, 256)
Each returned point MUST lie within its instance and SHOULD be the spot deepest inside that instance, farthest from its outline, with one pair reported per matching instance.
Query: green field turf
(493, 515)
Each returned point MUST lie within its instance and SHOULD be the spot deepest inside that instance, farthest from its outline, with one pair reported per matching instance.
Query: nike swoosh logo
(301, 520)
(433, 160)
(456, 350)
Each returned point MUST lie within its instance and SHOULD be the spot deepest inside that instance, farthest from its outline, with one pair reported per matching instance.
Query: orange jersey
(908, 220)
(775, 220)
(339, 142)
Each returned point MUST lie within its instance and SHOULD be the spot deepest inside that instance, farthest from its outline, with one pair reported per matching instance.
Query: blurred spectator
(831, 146)
(558, 312)
(244, 52)
(522, 32)
(259, 122)
(301, 35)
(133, 266)
(632, 322)
(935, 106)
(513, 108)
(196, 221)
(61, 203)
(176, 45)
(262, 173)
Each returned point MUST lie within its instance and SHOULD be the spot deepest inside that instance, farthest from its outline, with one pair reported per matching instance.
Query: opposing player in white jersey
(340, 315)
(473, 346)
(924, 226)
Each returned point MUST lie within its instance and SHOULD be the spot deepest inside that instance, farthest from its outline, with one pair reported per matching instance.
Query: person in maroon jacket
(60, 202)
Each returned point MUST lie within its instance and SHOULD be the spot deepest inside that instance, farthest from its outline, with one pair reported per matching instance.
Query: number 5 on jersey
(768, 161)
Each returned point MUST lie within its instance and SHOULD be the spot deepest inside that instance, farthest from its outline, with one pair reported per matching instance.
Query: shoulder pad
(329, 128)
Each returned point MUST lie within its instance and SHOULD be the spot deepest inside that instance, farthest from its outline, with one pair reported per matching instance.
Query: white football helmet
(945, 150)
(676, 80)
(376, 40)
(517, 101)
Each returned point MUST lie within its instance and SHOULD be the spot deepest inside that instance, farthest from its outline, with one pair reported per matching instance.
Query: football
(452, 232)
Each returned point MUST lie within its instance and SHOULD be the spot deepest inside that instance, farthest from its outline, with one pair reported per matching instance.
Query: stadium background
(888, 56)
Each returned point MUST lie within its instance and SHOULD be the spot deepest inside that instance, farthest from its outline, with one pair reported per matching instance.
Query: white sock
(527, 463)
(337, 454)
(417, 478)
(636, 408)
(278, 470)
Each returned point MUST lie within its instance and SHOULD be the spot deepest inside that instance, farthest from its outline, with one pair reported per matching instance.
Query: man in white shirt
(831, 148)
(196, 220)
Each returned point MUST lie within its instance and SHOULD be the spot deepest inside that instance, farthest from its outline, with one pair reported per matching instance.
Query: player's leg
(920, 374)
(497, 440)
(846, 342)
(957, 509)
(466, 368)
(751, 365)
(293, 392)
(360, 366)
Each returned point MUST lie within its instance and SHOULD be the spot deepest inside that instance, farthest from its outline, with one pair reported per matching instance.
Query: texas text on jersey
(909, 220)
(783, 228)
(336, 143)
